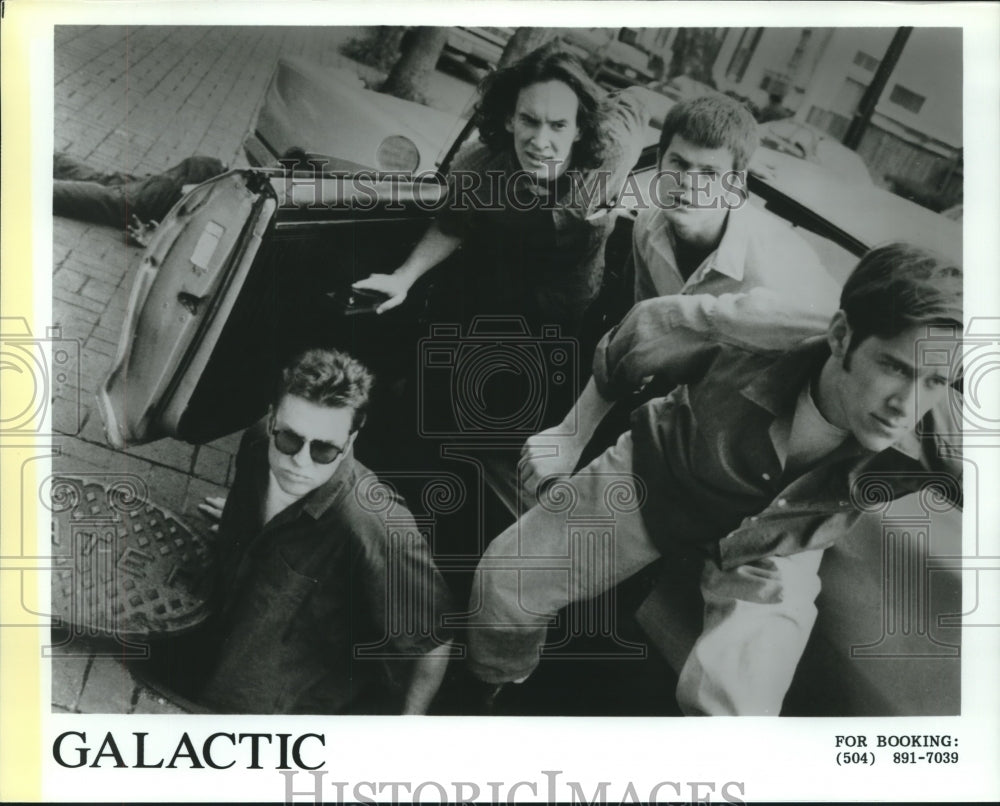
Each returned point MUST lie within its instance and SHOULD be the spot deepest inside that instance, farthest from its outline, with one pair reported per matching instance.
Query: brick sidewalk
(140, 100)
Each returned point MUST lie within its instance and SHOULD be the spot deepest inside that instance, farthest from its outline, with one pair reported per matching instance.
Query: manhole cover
(123, 565)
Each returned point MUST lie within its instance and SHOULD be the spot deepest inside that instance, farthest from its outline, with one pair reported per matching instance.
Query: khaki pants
(585, 536)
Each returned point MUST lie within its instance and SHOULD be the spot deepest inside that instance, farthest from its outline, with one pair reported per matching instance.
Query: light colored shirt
(812, 436)
(757, 250)
(763, 288)
(806, 437)
(277, 499)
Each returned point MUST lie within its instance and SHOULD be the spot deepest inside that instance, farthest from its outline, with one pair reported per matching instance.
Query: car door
(244, 272)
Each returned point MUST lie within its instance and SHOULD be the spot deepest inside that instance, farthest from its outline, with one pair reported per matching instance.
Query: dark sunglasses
(290, 443)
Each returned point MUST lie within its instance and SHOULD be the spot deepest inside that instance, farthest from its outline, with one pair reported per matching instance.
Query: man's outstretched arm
(672, 337)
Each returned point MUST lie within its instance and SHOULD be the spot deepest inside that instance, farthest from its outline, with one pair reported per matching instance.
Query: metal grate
(123, 565)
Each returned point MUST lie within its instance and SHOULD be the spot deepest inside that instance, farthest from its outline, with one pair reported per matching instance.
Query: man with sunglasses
(329, 596)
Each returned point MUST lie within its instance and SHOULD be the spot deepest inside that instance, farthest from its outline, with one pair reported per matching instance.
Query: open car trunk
(243, 273)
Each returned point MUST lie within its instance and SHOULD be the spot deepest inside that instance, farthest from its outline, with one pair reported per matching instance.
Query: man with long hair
(529, 202)
(530, 207)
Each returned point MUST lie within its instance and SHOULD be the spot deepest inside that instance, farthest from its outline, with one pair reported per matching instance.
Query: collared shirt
(541, 256)
(276, 499)
(325, 605)
(714, 482)
(757, 250)
(809, 436)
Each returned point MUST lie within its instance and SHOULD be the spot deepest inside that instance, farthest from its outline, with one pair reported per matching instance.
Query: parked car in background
(680, 88)
(252, 266)
(814, 145)
(854, 215)
(478, 47)
(610, 61)
(303, 108)
(954, 213)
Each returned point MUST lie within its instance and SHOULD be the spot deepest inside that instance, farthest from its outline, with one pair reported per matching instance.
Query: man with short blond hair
(702, 236)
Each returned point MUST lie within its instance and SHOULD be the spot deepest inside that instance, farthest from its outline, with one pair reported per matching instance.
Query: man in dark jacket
(757, 461)
(330, 600)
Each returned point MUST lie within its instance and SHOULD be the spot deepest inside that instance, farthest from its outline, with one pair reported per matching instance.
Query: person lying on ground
(133, 203)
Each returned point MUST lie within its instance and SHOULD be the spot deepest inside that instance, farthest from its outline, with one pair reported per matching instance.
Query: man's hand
(551, 452)
(212, 508)
(139, 231)
(395, 285)
(434, 247)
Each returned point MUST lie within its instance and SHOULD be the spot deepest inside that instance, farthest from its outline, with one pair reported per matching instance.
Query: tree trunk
(378, 46)
(421, 49)
(523, 42)
(694, 53)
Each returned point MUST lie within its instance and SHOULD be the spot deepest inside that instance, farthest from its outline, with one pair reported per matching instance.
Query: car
(381, 133)
(682, 88)
(252, 266)
(611, 61)
(850, 215)
(478, 47)
(954, 213)
(814, 145)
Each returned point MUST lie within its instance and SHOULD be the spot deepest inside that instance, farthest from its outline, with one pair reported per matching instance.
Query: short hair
(712, 121)
(328, 378)
(897, 287)
(551, 62)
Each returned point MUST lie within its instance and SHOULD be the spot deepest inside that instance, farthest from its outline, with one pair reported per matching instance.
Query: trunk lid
(187, 281)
